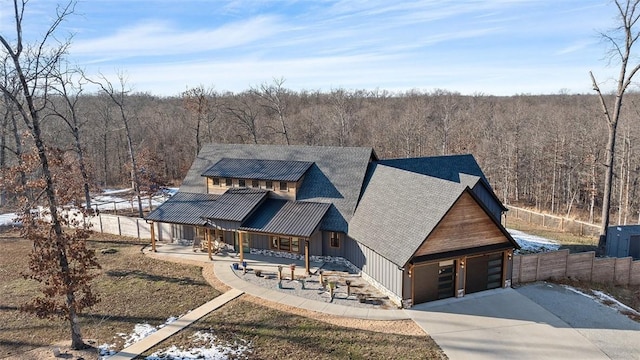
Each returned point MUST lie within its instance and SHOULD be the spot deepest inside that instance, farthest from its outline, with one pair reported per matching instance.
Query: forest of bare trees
(545, 152)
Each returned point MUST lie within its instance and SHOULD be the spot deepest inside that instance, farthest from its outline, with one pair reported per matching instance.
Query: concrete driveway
(538, 321)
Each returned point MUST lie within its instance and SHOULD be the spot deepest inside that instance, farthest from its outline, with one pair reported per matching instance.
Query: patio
(262, 271)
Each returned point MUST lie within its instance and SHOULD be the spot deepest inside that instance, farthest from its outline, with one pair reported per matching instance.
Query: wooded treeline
(540, 151)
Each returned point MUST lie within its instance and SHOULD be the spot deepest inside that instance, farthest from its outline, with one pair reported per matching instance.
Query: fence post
(100, 219)
(138, 227)
(119, 227)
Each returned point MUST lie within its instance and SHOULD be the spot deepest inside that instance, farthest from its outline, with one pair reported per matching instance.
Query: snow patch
(532, 243)
(140, 331)
(204, 346)
(604, 299)
(207, 349)
(10, 219)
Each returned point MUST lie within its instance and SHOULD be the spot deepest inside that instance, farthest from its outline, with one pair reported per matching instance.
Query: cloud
(574, 47)
(161, 38)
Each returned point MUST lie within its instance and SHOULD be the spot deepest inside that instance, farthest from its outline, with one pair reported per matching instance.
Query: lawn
(133, 289)
(136, 289)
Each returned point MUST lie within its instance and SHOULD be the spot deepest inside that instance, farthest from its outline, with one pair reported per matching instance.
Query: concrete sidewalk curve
(170, 329)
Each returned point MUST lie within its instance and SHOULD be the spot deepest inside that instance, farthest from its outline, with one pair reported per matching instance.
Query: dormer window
(255, 184)
(228, 182)
(283, 186)
(242, 183)
(269, 185)
(215, 181)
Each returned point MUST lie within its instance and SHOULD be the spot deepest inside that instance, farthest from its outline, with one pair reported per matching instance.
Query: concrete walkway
(505, 324)
(170, 329)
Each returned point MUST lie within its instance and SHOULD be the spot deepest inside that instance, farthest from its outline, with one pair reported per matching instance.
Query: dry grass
(575, 243)
(141, 289)
(274, 334)
(133, 288)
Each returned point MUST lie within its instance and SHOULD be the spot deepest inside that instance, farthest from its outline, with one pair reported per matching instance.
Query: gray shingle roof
(399, 209)
(294, 218)
(448, 167)
(336, 176)
(276, 170)
(183, 208)
(235, 204)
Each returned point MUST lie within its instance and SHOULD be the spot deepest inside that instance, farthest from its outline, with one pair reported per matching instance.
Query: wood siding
(289, 194)
(465, 226)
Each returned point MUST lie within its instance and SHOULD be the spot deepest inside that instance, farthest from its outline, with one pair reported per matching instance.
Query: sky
(491, 47)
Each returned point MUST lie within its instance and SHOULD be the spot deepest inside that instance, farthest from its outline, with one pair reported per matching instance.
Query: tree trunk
(608, 180)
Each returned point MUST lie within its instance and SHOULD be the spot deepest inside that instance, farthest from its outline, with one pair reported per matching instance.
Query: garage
(484, 272)
(433, 281)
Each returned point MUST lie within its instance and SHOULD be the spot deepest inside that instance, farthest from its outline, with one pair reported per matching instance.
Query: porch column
(208, 235)
(306, 256)
(241, 250)
(153, 236)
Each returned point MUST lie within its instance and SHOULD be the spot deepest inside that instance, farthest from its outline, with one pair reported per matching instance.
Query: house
(418, 229)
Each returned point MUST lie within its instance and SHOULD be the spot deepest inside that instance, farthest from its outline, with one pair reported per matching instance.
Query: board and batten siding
(375, 266)
(259, 241)
(465, 226)
(489, 201)
(333, 251)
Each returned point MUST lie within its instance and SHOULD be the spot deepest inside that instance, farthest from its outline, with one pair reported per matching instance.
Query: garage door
(483, 272)
(433, 281)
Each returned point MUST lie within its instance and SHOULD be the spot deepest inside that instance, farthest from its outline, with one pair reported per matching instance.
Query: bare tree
(245, 111)
(70, 93)
(621, 40)
(274, 98)
(119, 97)
(58, 261)
(199, 101)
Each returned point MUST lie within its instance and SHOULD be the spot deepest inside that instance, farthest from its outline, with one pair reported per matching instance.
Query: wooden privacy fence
(121, 225)
(580, 266)
(551, 221)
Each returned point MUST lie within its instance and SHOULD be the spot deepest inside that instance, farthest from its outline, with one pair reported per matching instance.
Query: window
(255, 184)
(228, 182)
(283, 186)
(335, 239)
(285, 244)
(242, 183)
(269, 184)
(215, 181)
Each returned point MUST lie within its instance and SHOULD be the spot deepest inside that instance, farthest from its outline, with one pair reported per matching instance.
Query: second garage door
(483, 272)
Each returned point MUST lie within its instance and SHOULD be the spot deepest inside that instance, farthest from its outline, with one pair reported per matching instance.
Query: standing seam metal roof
(183, 208)
(294, 218)
(275, 170)
(235, 204)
